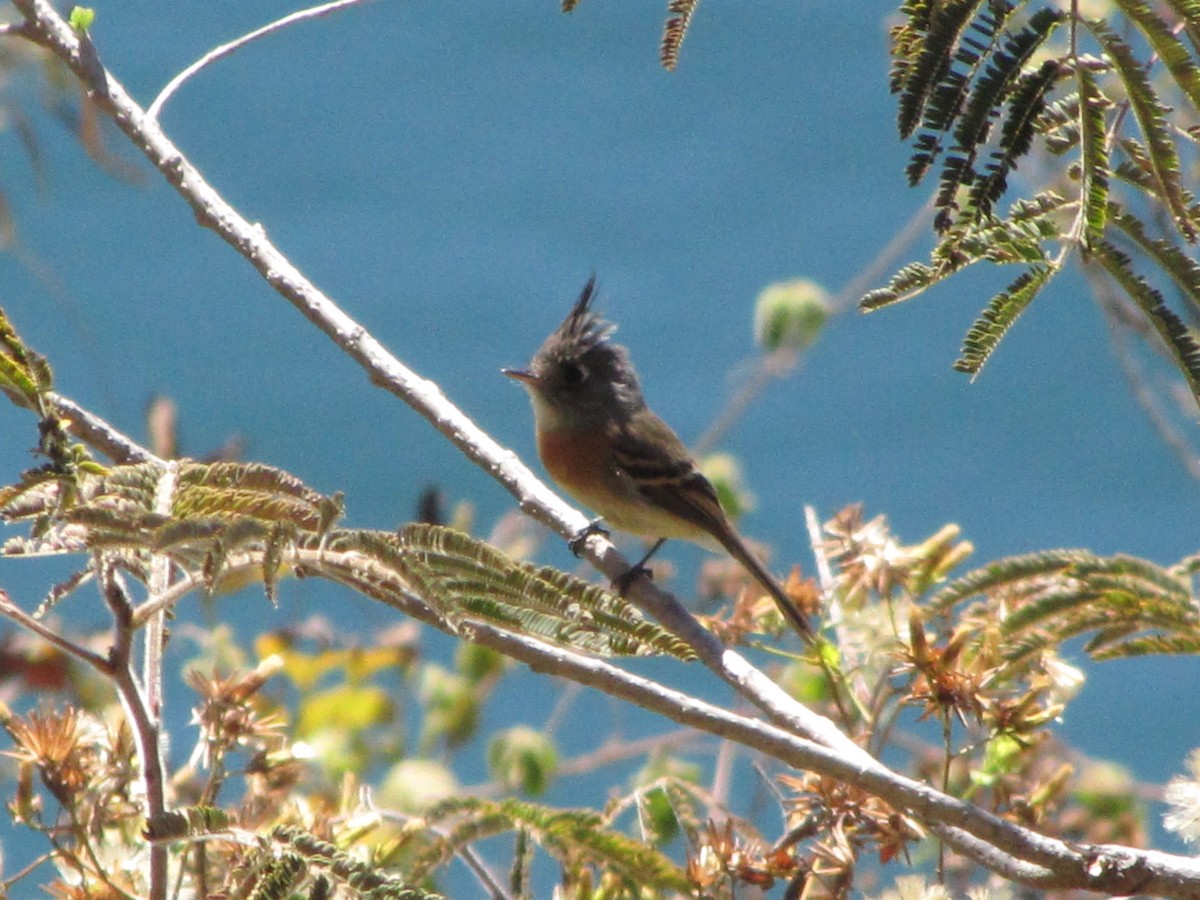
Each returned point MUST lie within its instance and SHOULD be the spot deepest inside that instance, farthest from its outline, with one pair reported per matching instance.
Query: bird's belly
(579, 466)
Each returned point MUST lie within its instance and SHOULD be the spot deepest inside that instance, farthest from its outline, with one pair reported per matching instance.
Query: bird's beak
(521, 375)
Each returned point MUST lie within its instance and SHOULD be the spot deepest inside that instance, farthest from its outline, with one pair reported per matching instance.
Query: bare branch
(227, 49)
(1119, 328)
(1020, 852)
(22, 618)
(99, 434)
(424, 396)
(782, 362)
(145, 727)
(145, 723)
(160, 580)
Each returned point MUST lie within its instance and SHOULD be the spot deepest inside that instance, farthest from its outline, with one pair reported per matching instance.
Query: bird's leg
(593, 527)
(638, 569)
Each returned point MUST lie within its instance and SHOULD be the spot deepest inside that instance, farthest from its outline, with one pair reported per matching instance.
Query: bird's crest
(583, 329)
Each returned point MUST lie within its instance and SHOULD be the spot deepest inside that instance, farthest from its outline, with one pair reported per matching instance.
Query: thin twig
(485, 875)
(848, 645)
(227, 49)
(615, 750)
(145, 725)
(783, 362)
(22, 618)
(159, 581)
(612, 751)
(1135, 375)
(561, 707)
(1037, 860)
(816, 540)
(722, 774)
(424, 396)
(99, 434)
(7, 884)
(154, 641)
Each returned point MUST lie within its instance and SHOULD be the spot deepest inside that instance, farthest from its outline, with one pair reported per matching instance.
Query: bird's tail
(787, 606)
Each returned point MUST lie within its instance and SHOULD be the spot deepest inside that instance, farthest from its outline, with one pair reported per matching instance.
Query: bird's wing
(659, 467)
(652, 460)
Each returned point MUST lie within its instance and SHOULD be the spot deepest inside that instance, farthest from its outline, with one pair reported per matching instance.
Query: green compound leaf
(467, 578)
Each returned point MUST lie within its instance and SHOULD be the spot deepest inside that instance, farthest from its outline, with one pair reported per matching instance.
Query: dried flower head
(943, 678)
(868, 558)
(850, 820)
(723, 854)
(229, 715)
(1183, 797)
(66, 747)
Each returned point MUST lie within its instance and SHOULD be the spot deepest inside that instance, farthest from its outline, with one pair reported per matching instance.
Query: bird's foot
(622, 583)
(593, 527)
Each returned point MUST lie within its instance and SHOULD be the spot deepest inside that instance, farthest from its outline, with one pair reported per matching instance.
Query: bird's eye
(573, 374)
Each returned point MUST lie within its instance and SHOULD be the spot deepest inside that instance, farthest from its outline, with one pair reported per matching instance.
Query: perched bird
(608, 450)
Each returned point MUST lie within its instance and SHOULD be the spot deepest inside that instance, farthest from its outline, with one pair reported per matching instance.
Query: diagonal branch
(1019, 852)
(146, 732)
(45, 26)
(1015, 852)
(10, 610)
(99, 434)
(233, 46)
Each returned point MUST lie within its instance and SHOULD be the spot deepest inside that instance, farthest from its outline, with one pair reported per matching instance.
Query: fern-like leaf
(1019, 238)
(905, 284)
(1128, 605)
(1151, 645)
(949, 101)
(943, 26)
(263, 514)
(368, 880)
(1171, 258)
(1094, 160)
(992, 87)
(1151, 115)
(678, 21)
(278, 877)
(572, 836)
(1005, 573)
(1175, 334)
(24, 375)
(1059, 124)
(1058, 602)
(1167, 46)
(189, 822)
(217, 510)
(907, 41)
(948, 96)
(249, 489)
(999, 316)
(1016, 239)
(1016, 136)
(467, 578)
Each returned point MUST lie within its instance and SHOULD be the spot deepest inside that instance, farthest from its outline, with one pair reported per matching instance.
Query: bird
(602, 444)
